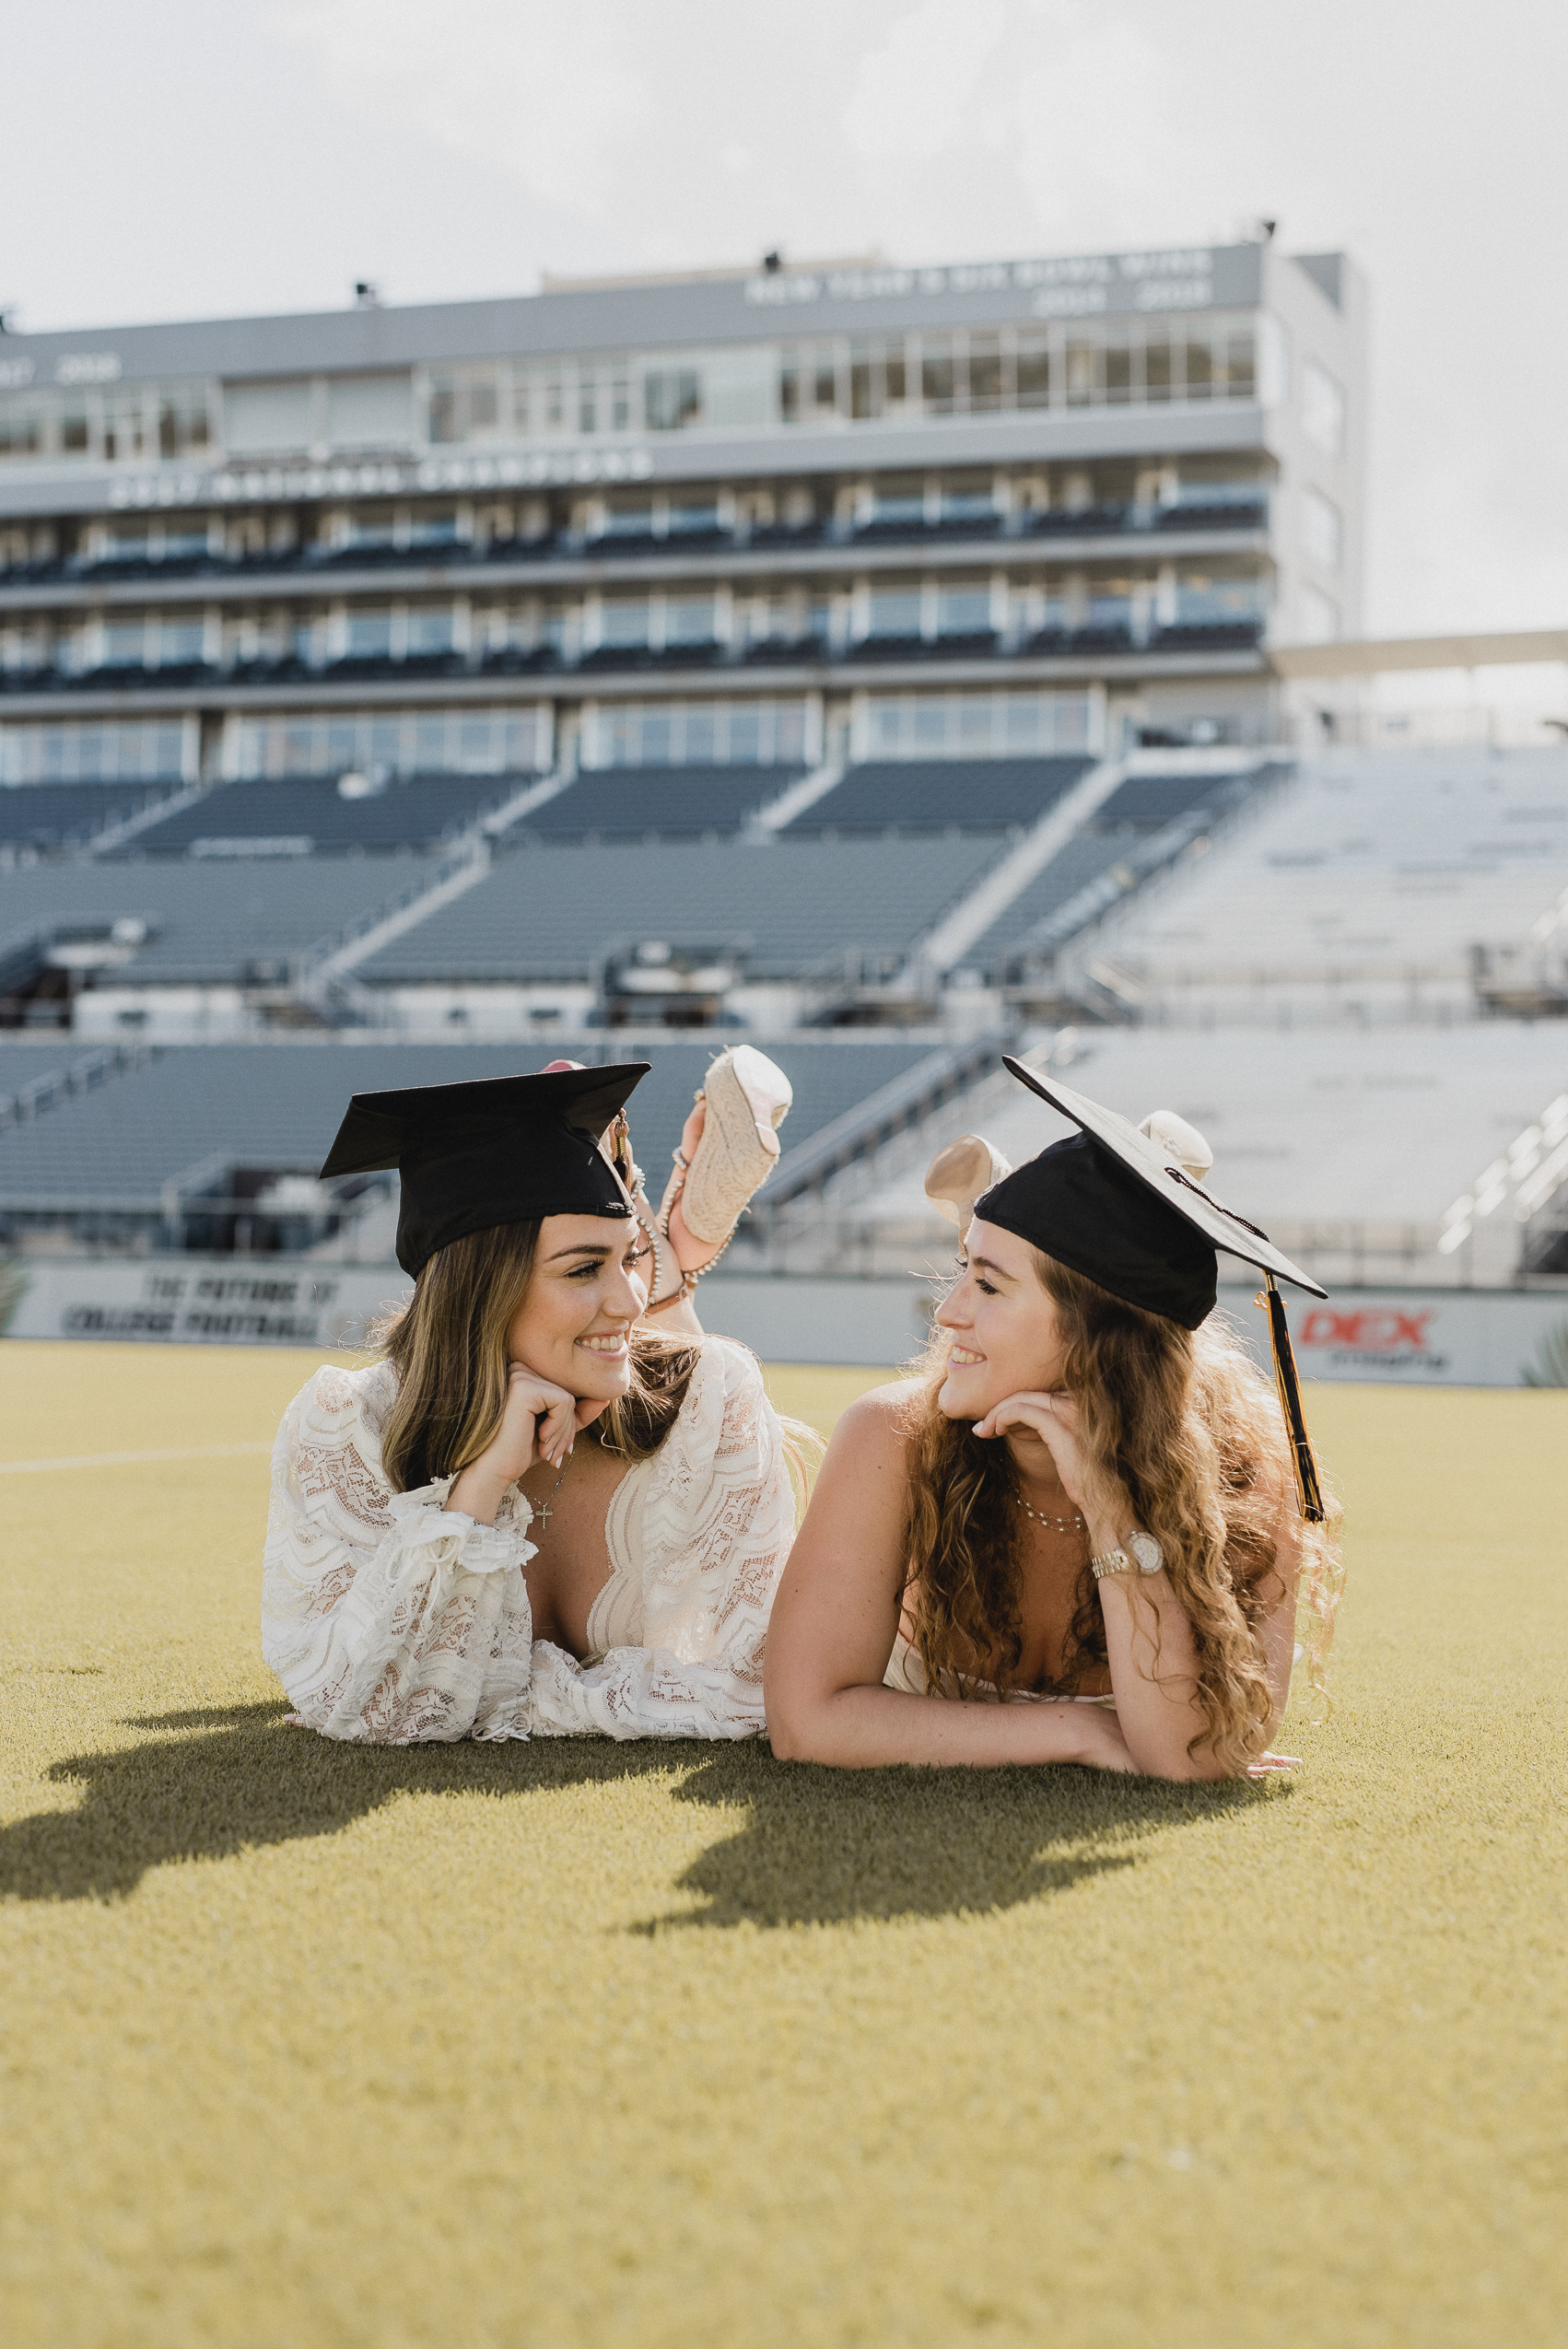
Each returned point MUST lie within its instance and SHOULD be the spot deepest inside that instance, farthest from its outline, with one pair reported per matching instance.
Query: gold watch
(1140, 1554)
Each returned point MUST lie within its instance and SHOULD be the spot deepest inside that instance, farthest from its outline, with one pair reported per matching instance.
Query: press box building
(795, 514)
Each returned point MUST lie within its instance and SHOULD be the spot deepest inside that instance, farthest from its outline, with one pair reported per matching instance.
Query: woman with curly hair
(1092, 1521)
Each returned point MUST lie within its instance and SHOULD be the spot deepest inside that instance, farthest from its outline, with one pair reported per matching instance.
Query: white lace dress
(389, 1617)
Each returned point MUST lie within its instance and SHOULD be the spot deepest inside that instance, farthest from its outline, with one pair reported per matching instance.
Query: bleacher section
(300, 818)
(1152, 816)
(791, 906)
(941, 795)
(198, 1111)
(49, 817)
(673, 803)
(203, 923)
(1361, 891)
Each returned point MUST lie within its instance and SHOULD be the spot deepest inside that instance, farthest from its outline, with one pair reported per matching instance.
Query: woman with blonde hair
(1092, 1519)
(537, 1513)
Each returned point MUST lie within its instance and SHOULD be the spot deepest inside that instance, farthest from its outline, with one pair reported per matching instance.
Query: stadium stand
(373, 814)
(669, 802)
(46, 818)
(220, 1123)
(792, 906)
(940, 795)
(1363, 892)
(194, 922)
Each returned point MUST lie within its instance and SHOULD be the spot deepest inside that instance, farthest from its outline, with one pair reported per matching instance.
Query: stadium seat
(672, 803)
(940, 795)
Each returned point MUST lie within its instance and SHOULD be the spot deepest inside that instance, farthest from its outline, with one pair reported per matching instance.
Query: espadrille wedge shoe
(748, 1098)
(961, 1173)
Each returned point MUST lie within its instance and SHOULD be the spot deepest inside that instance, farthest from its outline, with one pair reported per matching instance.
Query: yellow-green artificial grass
(555, 2046)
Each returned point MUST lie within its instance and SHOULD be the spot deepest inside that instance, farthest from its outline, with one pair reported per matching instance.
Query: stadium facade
(786, 516)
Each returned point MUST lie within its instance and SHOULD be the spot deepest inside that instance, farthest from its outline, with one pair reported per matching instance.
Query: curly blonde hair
(1189, 1427)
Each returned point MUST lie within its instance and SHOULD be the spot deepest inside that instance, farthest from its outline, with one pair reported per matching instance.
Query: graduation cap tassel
(1307, 1487)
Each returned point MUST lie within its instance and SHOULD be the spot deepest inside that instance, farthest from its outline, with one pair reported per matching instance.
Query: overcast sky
(179, 159)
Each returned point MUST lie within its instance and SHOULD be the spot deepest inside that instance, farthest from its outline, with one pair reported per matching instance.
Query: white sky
(179, 159)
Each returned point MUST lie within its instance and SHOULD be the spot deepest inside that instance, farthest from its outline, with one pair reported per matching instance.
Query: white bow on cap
(1179, 1141)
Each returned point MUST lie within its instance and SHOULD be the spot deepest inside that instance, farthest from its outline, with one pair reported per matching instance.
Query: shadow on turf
(819, 1846)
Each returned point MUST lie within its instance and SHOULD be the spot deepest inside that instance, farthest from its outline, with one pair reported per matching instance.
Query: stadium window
(789, 389)
(671, 399)
(1200, 367)
(21, 427)
(182, 425)
(969, 501)
(620, 402)
(431, 526)
(939, 377)
(699, 518)
(1118, 373)
(1081, 373)
(1320, 530)
(521, 408)
(125, 426)
(1157, 369)
(1032, 363)
(1241, 367)
(180, 642)
(963, 610)
(894, 612)
(895, 375)
(623, 622)
(431, 629)
(824, 384)
(553, 417)
(700, 747)
(986, 376)
(689, 619)
(1323, 408)
(367, 636)
(75, 433)
(587, 405)
(124, 644)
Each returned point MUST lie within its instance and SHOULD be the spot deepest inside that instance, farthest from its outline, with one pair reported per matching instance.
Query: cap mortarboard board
(502, 1150)
(1116, 1203)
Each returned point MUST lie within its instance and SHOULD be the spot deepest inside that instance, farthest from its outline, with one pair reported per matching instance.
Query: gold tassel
(1309, 1491)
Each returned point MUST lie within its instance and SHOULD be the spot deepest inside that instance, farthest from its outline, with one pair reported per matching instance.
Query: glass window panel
(124, 643)
(476, 746)
(75, 437)
(369, 635)
(975, 712)
(430, 743)
(671, 399)
(865, 381)
(1083, 373)
(658, 738)
(1157, 366)
(1023, 728)
(701, 744)
(893, 375)
(689, 619)
(824, 384)
(521, 403)
(384, 741)
(964, 611)
(1119, 374)
(430, 628)
(484, 405)
(1200, 367)
(588, 405)
(931, 713)
(431, 526)
(181, 640)
(788, 389)
(985, 373)
(554, 403)
(938, 375)
(623, 621)
(628, 522)
(21, 427)
(297, 743)
(895, 611)
(1241, 367)
(1033, 371)
(684, 519)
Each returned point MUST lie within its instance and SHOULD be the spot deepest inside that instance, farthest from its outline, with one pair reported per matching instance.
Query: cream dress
(389, 1619)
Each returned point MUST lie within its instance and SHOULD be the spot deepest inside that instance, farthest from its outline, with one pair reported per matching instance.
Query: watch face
(1147, 1551)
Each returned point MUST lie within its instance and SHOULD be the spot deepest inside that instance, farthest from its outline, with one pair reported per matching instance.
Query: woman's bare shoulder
(881, 1419)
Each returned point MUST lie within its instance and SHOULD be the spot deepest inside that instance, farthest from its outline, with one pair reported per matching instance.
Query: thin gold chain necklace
(1073, 1525)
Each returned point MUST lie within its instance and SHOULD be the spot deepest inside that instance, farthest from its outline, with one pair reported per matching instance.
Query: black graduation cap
(1116, 1204)
(504, 1150)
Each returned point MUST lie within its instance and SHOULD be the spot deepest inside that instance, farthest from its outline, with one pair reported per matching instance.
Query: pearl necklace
(1073, 1525)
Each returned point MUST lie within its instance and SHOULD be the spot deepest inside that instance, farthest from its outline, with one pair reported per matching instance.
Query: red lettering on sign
(1373, 1333)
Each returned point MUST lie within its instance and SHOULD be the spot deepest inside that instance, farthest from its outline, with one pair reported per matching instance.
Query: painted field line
(130, 1460)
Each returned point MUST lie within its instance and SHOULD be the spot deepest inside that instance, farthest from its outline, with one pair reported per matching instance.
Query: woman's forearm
(1153, 1665)
(866, 1728)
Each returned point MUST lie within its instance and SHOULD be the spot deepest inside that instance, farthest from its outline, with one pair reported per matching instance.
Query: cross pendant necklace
(542, 1515)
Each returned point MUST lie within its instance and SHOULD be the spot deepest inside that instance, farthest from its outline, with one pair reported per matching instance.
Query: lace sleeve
(387, 1617)
(717, 1522)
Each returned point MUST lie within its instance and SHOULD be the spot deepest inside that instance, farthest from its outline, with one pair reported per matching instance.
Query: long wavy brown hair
(1185, 1423)
(448, 1347)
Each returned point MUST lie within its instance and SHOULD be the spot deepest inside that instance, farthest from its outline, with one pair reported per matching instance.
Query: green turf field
(558, 2046)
